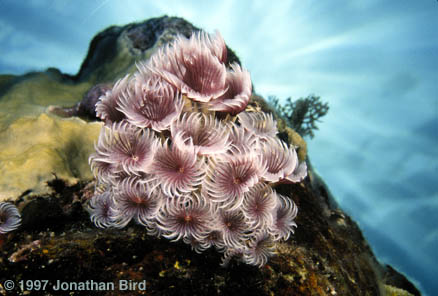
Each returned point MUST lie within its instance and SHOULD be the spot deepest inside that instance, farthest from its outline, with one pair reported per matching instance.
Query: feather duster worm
(107, 106)
(153, 103)
(10, 218)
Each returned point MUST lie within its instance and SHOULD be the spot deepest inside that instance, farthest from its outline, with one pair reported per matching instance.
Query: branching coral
(182, 155)
(301, 114)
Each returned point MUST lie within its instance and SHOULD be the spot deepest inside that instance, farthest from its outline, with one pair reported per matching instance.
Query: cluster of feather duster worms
(181, 154)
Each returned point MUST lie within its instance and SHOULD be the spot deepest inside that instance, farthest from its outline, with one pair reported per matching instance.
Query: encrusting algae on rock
(35, 144)
(33, 149)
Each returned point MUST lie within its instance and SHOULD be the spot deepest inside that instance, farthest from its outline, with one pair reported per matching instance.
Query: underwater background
(374, 62)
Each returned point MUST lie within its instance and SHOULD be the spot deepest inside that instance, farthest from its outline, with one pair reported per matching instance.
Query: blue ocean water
(375, 62)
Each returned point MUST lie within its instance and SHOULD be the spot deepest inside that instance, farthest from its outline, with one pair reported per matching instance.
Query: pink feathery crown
(181, 154)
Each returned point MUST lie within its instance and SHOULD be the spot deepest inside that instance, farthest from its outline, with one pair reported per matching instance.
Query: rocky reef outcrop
(48, 129)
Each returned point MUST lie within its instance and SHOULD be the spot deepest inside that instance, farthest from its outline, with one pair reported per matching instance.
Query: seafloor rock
(114, 51)
(327, 255)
